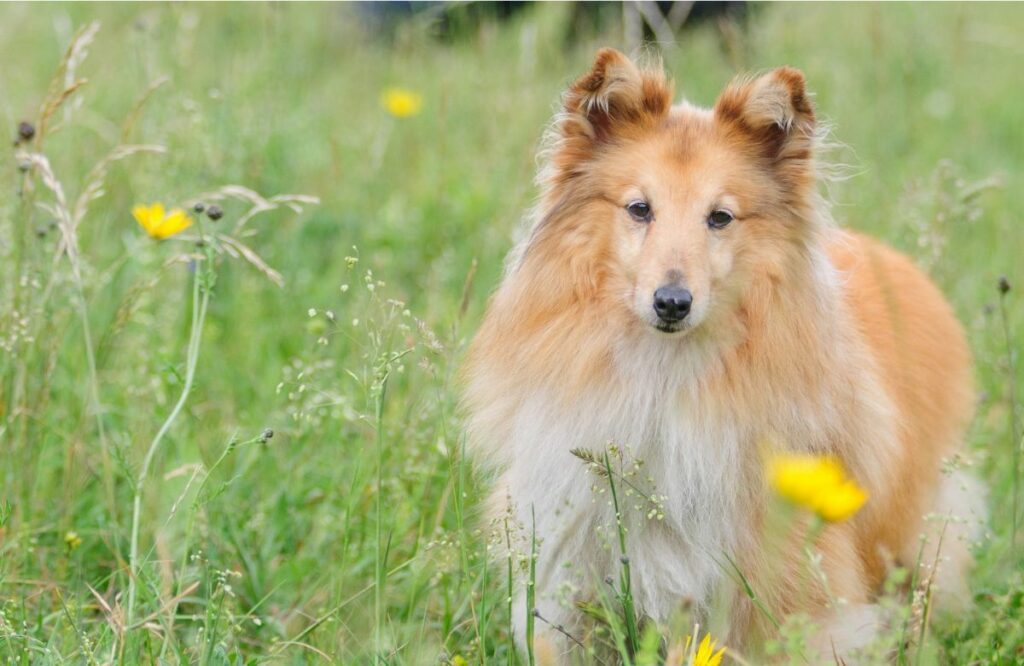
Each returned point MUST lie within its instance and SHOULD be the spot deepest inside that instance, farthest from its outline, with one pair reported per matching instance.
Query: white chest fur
(686, 462)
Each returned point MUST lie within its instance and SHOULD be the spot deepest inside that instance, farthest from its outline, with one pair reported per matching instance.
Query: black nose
(672, 304)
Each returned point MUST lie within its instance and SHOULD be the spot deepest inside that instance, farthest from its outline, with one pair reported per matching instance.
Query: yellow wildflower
(817, 483)
(72, 540)
(401, 103)
(706, 655)
(160, 224)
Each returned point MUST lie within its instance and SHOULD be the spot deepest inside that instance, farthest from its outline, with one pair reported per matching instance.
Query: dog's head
(662, 215)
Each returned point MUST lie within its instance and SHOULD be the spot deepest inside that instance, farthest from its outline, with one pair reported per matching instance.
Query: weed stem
(200, 301)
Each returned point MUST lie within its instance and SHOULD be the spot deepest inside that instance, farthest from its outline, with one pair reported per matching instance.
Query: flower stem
(200, 301)
(1015, 443)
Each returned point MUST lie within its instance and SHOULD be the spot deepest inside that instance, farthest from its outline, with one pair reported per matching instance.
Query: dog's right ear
(612, 102)
(614, 98)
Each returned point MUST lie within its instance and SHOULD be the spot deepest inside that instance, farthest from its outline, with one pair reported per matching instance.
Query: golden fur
(818, 339)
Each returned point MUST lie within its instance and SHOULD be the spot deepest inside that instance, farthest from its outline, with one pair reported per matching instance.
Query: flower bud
(26, 131)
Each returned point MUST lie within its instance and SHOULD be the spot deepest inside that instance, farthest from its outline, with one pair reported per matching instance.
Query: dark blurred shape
(1004, 285)
(705, 11)
(26, 131)
(661, 22)
(646, 20)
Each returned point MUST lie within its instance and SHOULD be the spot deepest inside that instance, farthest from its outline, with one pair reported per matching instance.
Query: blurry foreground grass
(308, 500)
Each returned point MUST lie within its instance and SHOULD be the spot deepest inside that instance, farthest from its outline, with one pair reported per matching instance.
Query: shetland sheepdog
(681, 293)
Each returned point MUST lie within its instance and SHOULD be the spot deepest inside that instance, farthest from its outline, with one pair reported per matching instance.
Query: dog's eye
(640, 210)
(719, 219)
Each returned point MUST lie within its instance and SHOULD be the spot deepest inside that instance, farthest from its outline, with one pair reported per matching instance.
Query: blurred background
(400, 140)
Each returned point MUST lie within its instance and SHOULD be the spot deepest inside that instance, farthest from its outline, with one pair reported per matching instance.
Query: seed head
(214, 212)
(26, 131)
(199, 207)
(266, 435)
(1004, 285)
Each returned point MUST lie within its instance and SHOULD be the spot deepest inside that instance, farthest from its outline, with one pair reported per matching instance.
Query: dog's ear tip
(607, 54)
(795, 82)
(605, 59)
(791, 76)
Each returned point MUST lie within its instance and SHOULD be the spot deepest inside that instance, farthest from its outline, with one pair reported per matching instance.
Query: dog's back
(922, 355)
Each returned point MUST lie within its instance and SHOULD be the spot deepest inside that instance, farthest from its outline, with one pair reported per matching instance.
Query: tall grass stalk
(68, 222)
(378, 573)
(479, 616)
(531, 589)
(202, 495)
(1011, 376)
(201, 290)
(901, 655)
(625, 578)
(926, 601)
(510, 589)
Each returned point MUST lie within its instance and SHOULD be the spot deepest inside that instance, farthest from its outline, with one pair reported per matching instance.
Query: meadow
(241, 444)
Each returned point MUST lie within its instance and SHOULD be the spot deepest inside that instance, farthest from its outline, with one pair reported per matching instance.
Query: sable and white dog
(682, 291)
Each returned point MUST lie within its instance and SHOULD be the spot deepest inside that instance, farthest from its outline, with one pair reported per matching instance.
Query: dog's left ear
(774, 113)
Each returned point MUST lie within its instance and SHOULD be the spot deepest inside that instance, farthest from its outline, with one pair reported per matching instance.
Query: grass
(351, 534)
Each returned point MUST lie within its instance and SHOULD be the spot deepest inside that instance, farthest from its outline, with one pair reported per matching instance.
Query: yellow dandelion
(401, 103)
(818, 483)
(842, 502)
(706, 655)
(160, 224)
(72, 540)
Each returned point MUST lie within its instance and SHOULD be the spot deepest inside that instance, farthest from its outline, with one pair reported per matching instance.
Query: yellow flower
(401, 103)
(159, 224)
(459, 660)
(72, 540)
(817, 483)
(706, 655)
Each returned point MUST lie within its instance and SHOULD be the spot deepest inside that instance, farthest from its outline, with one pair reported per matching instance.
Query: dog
(682, 293)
